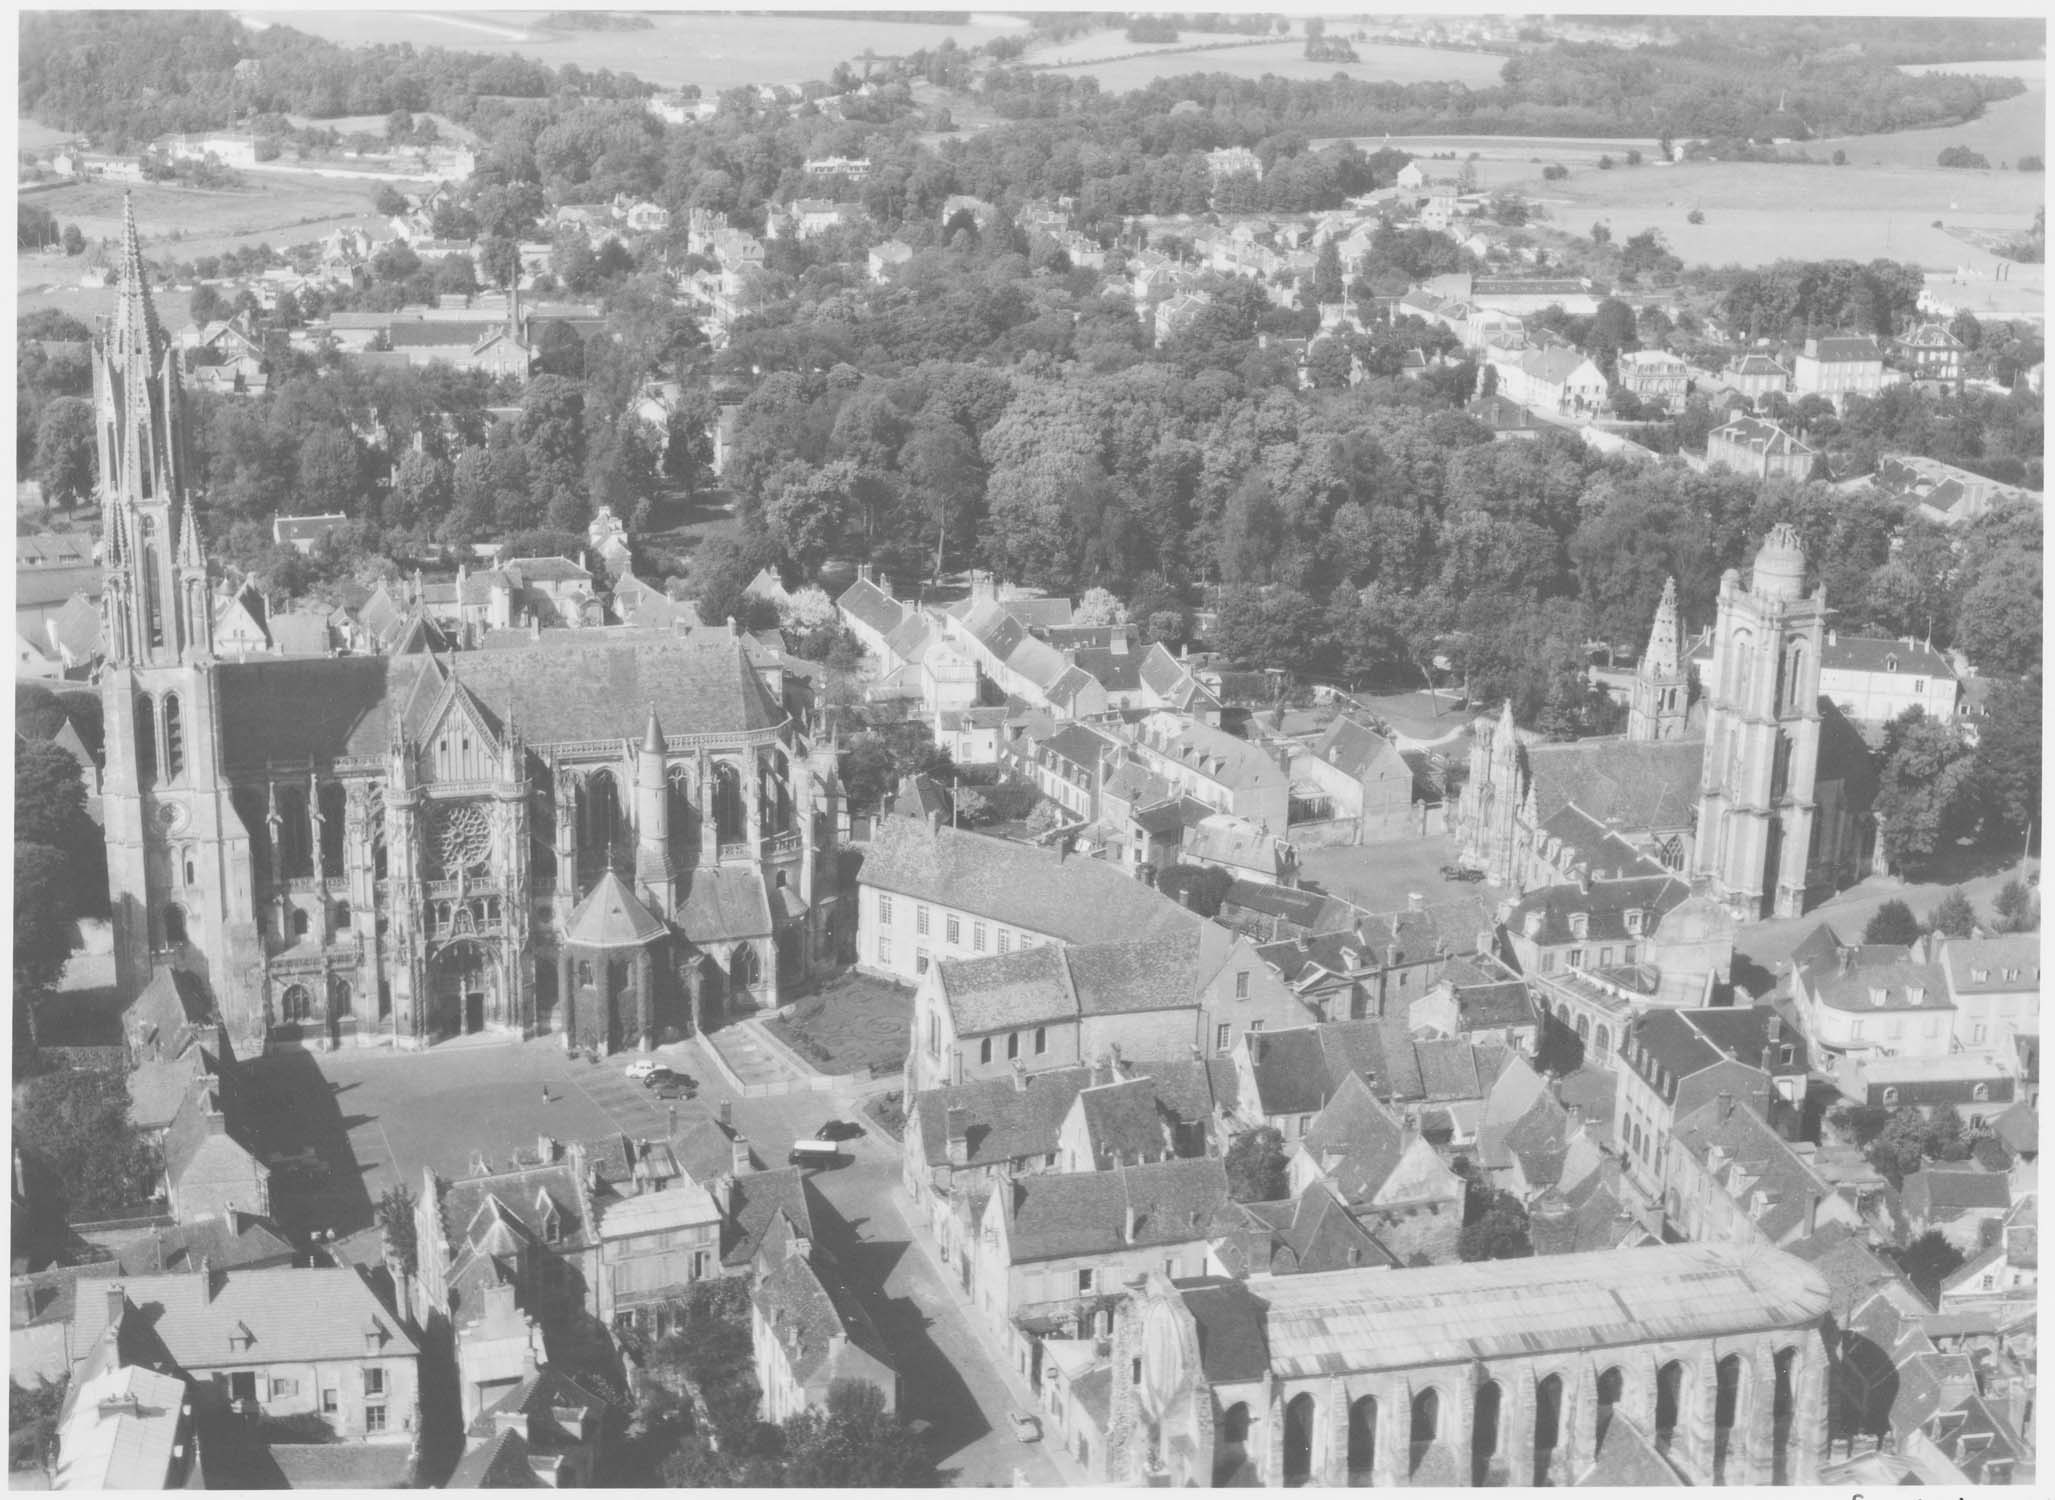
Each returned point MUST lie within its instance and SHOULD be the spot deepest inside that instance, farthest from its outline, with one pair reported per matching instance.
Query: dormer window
(1879, 996)
(1890, 1096)
(1634, 921)
(1980, 1093)
(1580, 924)
(1890, 664)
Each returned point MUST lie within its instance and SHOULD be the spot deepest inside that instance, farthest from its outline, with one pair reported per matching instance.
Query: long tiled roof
(1359, 751)
(872, 606)
(1605, 906)
(1639, 784)
(1997, 965)
(1055, 1215)
(815, 1315)
(1845, 348)
(1894, 981)
(1338, 1322)
(1756, 1161)
(286, 1315)
(1041, 890)
(1121, 1120)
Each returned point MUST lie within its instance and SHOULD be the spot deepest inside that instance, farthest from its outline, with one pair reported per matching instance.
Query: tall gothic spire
(137, 336)
(1661, 657)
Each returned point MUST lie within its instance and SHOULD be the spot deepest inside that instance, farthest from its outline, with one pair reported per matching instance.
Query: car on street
(1457, 872)
(1026, 1426)
(641, 1068)
(816, 1154)
(671, 1086)
(837, 1130)
(661, 1074)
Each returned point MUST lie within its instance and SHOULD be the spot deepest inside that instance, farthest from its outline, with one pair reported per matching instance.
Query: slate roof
(1642, 785)
(1116, 671)
(724, 904)
(1360, 751)
(1312, 1232)
(500, 1462)
(1077, 900)
(1313, 910)
(1002, 1123)
(872, 606)
(1605, 907)
(1938, 1195)
(612, 916)
(760, 1200)
(1760, 436)
(2001, 964)
(1892, 977)
(1853, 1272)
(1121, 1121)
(120, 1429)
(563, 691)
(220, 1244)
(1582, 840)
(815, 1307)
(1233, 1346)
(288, 1314)
(1357, 1142)
(1844, 349)
(76, 627)
(1757, 1161)
(1054, 1215)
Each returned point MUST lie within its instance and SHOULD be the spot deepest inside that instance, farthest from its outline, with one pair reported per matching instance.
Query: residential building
(124, 1427)
(869, 611)
(1944, 493)
(1932, 355)
(1377, 966)
(1384, 1171)
(1995, 985)
(1978, 1086)
(1363, 779)
(1053, 1253)
(810, 1332)
(1853, 1000)
(1870, 680)
(548, 1430)
(289, 1341)
(528, 1227)
(1288, 1076)
(1756, 375)
(926, 893)
(1674, 1064)
(1732, 1179)
(1958, 1204)
(1219, 769)
(1655, 376)
(1760, 449)
(1557, 380)
(1838, 367)
(1057, 1005)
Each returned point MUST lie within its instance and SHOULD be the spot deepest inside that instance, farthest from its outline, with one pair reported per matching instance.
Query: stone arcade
(607, 834)
(1626, 1367)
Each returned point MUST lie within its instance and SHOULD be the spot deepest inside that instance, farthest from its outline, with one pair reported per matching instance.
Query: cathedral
(1758, 795)
(614, 835)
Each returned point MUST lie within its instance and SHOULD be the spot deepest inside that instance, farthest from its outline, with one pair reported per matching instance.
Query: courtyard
(1380, 877)
(851, 1024)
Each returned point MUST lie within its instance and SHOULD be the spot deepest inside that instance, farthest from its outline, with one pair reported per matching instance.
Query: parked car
(659, 1074)
(837, 1130)
(641, 1068)
(1026, 1426)
(1457, 872)
(671, 1086)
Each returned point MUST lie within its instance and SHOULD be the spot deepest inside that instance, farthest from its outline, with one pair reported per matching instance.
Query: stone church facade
(612, 835)
(1759, 795)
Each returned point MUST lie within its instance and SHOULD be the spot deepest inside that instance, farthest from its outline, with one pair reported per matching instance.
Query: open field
(33, 135)
(715, 51)
(1285, 58)
(2006, 131)
(447, 128)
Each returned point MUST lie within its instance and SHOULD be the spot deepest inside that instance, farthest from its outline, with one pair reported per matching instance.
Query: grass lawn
(850, 1025)
(1379, 877)
(1285, 58)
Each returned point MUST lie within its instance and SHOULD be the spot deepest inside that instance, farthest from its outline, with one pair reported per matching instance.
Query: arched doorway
(1726, 1413)
(1363, 1441)
(339, 997)
(174, 926)
(1426, 1426)
(463, 990)
(1231, 1447)
(1669, 1402)
(1484, 1435)
(296, 1005)
(1298, 1439)
(1548, 1425)
(713, 992)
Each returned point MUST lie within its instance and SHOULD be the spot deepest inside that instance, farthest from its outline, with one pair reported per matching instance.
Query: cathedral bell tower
(1757, 815)
(178, 858)
(1661, 702)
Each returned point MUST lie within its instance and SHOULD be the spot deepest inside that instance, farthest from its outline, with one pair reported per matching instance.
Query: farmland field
(1756, 213)
(714, 50)
(1285, 58)
(2007, 130)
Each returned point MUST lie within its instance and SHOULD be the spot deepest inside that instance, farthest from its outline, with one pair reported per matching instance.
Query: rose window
(463, 840)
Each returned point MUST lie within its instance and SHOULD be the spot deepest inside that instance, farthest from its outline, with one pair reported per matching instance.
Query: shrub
(2031, 164)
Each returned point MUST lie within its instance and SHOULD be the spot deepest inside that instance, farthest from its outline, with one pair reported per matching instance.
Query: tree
(389, 201)
(2016, 908)
(1327, 273)
(74, 240)
(1500, 1230)
(1955, 917)
(1098, 606)
(396, 1228)
(854, 1443)
(1200, 887)
(67, 450)
(1257, 1171)
(1927, 1262)
(1923, 798)
(1901, 1146)
(808, 510)
(33, 1413)
(1893, 923)
(1945, 1139)
(75, 1122)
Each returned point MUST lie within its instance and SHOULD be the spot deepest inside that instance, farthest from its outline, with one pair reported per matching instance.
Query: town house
(1837, 368)
(1731, 1178)
(1217, 768)
(1760, 449)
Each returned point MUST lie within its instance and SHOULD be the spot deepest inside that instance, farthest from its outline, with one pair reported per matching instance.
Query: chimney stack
(545, 1149)
(1019, 1076)
(1415, 901)
(1726, 1098)
(739, 1155)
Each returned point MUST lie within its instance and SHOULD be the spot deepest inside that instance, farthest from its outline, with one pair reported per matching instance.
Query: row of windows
(1894, 1029)
(952, 931)
(1013, 1044)
(1980, 1092)
(147, 740)
(1574, 958)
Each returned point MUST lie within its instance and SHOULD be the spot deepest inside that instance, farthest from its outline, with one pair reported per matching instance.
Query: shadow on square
(295, 1112)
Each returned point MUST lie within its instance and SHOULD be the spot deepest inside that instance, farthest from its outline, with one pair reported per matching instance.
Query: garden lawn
(850, 1025)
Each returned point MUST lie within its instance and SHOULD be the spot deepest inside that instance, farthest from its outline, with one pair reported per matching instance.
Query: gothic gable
(462, 741)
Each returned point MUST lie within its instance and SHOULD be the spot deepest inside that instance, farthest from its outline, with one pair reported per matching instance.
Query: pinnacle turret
(1661, 656)
(137, 336)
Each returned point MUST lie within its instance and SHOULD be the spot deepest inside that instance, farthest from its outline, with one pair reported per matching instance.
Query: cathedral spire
(1659, 704)
(137, 335)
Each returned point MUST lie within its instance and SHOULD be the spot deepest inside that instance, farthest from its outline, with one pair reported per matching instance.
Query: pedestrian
(545, 1093)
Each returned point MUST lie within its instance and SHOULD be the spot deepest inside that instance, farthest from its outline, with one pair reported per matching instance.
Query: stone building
(1764, 806)
(410, 846)
(1623, 1367)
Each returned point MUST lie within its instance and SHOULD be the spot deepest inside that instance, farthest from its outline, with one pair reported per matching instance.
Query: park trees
(1893, 923)
(1924, 789)
(75, 1124)
(67, 452)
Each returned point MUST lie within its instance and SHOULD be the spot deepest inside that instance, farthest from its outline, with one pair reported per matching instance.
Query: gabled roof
(1055, 1215)
(1120, 1120)
(865, 602)
(1041, 890)
(1605, 907)
(761, 1200)
(1637, 784)
(1359, 751)
(263, 1316)
(816, 1317)
(499, 1462)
